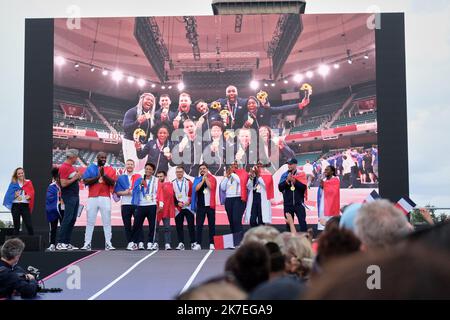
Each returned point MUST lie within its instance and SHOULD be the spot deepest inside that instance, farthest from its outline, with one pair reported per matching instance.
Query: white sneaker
(149, 245)
(180, 246)
(195, 246)
(155, 246)
(211, 247)
(168, 247)
(130, 246)
(71, 247)
(61, 246)
(141, 246)
(109, 247)
(52, 247)
(87, 247)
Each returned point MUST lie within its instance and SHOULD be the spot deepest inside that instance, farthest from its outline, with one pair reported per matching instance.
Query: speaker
(32, 243)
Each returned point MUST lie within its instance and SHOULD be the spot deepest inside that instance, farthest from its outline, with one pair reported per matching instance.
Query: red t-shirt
(66, 172)
(101, 189)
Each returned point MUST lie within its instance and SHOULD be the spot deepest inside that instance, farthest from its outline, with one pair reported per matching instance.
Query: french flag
(405, 204)
(228, 241)
(372, 197)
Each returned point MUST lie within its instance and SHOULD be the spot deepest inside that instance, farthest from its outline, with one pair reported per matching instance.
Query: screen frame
(390, 90)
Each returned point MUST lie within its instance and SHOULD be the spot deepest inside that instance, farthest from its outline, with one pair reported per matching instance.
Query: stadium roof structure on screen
(257, 7)
(230, 55)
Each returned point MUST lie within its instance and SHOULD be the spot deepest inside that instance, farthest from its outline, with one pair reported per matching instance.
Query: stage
(126, 275)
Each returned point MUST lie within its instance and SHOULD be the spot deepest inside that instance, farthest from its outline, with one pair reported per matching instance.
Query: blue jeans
(71, 205)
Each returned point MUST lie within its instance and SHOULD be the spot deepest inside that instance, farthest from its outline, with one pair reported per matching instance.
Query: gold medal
(19, 198)
(179, 196)
(147, 197)
(292, 188)
(258, 187)
(205, 191)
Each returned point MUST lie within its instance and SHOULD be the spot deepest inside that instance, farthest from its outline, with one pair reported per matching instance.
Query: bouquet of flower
(307, 88)
(262, 95)
(216, 105)
(224, 114)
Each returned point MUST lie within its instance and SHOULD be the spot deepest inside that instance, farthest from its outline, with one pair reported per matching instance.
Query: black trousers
(143, 212)
(21, 210)
(54, 227)
(202, 213)
(179, 221)
(235, 208)
(299, 211)
(256, 213)
(128, 212)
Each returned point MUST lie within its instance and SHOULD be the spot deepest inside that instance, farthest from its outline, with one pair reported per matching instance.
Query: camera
(35, 272)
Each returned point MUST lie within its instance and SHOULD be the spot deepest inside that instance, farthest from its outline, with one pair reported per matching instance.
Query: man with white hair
(380, 224)
(137, 124)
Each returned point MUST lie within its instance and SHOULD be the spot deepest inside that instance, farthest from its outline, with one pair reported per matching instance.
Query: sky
(427, 31)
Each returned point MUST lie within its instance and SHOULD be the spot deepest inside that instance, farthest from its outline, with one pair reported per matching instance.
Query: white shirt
(183, 194)
(126, 200)
(231, 186)
(152, 183)
(308, 168)
(324, 164)
(347, 165)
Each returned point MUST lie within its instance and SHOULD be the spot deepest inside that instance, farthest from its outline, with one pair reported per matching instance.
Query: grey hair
(296, 245)
(379, 224)
(261, 234)
(72, 153)
(12, 248)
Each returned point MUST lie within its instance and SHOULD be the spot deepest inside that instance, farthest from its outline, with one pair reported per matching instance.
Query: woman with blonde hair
(19, 198)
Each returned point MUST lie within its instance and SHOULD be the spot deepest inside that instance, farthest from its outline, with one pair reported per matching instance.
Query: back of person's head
(298, 252)
(332, 223)
(216, 290)
(436, 237)
(12, 248)
(277, 264)
(336, 243)
(260, 234)
(380, 224)
(349, 214)
(250, 265)
(414, 272)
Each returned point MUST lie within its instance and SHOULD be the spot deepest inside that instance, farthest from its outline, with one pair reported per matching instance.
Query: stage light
(153, 85)
(59, 60)
(266, 84)
(76, 65)
(117, 75)
(366, 56)
(130, 79)
(180, 86)
(323, 70)
(285, 81)
(105, 72)
(349, 60)
(273, 84)
(254, 84)
(163, 87)
(141, 82)
(309, 74)
(298, 78)
(92, 69)
(336, 66)
(169, 87)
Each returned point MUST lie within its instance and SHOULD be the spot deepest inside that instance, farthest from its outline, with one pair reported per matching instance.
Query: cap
(292, 161)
